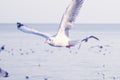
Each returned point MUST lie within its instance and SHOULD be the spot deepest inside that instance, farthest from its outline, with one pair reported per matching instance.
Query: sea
(27, 57)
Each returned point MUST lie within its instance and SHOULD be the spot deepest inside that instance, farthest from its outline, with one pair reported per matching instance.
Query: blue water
(27, 55)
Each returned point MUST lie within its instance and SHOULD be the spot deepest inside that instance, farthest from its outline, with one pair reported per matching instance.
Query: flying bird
(61, 38)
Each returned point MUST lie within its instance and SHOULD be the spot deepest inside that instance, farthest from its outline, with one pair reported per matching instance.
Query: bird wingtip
(19, 24)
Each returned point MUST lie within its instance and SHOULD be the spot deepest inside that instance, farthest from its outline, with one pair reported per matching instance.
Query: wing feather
(69, 17)
(26, 29)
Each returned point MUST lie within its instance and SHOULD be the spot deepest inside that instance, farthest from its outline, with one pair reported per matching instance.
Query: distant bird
(61, 39)
(3, 73)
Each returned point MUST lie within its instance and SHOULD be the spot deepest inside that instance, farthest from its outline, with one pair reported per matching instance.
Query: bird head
(50, 41)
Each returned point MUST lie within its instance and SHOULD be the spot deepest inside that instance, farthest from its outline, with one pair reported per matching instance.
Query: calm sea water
(27, 55)
(80, 27)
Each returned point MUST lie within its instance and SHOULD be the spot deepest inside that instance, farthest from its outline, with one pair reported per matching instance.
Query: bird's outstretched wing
(26, 29)
(69, 17)
(86, 39)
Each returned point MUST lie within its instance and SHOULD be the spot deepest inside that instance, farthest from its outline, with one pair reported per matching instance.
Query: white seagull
(61, 39)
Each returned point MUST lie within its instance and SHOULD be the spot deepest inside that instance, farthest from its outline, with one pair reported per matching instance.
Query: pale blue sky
(51, 11)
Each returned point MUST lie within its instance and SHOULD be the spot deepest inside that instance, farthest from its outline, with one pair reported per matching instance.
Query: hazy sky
(51, 11)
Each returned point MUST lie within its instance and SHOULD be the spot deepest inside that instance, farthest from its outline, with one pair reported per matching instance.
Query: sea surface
(26, 57)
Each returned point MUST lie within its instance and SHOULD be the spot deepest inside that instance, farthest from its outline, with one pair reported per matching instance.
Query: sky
(51, 11)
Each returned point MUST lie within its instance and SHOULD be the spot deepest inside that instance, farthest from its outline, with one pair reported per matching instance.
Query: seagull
(61, 38)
